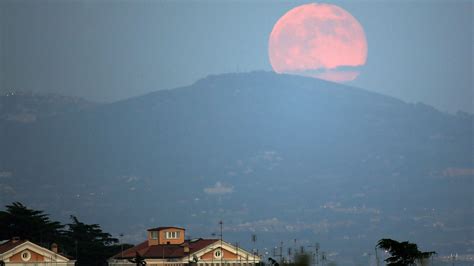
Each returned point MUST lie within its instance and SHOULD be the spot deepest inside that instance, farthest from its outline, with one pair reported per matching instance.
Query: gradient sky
(106, 51)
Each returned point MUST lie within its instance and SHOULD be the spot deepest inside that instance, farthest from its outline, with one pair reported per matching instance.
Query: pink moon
(318, 40)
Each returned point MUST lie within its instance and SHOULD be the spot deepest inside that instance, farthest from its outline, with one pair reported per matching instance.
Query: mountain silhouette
(281, 155)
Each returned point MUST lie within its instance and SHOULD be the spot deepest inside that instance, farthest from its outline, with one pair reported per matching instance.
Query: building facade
(17, 252)
(166, 246)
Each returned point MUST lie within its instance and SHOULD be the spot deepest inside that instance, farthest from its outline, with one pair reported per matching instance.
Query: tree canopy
(19, 221)
(89, 244)
(402, 253)
(86, 243)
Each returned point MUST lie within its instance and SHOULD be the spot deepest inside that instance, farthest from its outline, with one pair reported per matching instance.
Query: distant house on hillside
(166, 246)
(22, 252)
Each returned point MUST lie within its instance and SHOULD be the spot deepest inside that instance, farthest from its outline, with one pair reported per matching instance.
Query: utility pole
(275, 254)
(316, 248)
(289, 254)
(121, 245)
(75, 242)
(315, 254)
(254, 239)
(295, 248)
(222, 251)
(281, 250)
(323, 258)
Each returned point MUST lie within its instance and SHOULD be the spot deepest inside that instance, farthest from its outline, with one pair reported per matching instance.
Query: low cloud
(5, 174)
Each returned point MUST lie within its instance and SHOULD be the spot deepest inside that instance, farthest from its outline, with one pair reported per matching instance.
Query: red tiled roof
(165, 227)
(10, 245)
(165, 251)
(200, 243)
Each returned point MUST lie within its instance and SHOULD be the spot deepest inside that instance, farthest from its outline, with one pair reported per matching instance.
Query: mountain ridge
(329, 159)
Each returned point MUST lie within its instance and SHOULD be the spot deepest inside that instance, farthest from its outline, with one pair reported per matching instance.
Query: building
(166, 246)
(17, 252)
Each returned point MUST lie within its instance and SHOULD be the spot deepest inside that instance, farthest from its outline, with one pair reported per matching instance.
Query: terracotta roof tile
(165, 251)
(10, 245)
(165, 227)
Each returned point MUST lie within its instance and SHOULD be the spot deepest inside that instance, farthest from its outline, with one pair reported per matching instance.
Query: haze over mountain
(27, 107)
(284, 156)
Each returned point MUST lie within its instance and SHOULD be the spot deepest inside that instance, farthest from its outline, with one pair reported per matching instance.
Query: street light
(121, 245)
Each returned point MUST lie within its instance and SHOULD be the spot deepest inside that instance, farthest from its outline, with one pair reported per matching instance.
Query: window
(217, 253)
(26, 255)
(173, 235)
(154, 235)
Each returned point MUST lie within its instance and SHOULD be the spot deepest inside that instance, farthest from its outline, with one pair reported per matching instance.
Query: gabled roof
(10, 245)
(165, 227)
(10, 248)
(167, 251)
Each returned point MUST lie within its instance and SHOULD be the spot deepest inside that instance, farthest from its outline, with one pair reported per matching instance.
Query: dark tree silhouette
(19, 221)
(138, 260)
(402, 253)
(273, 262)
(89, 244)
(302, 259)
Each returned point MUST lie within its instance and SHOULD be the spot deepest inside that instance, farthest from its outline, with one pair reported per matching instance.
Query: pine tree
(28, 224)
(403, 253)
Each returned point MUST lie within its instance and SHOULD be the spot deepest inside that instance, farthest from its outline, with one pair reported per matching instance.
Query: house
(23, 252)
(166, 246)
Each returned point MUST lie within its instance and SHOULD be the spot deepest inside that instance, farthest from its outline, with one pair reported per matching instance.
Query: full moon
(318, 40)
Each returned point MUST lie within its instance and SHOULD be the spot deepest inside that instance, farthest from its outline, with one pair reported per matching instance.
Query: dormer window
(172, 235)
(154, 235)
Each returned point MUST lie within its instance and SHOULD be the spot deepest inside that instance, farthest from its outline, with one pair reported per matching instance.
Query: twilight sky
(106, 51)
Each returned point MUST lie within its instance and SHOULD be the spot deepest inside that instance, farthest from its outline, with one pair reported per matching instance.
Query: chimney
(54, 248)
(186, 248)
(15, 239)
